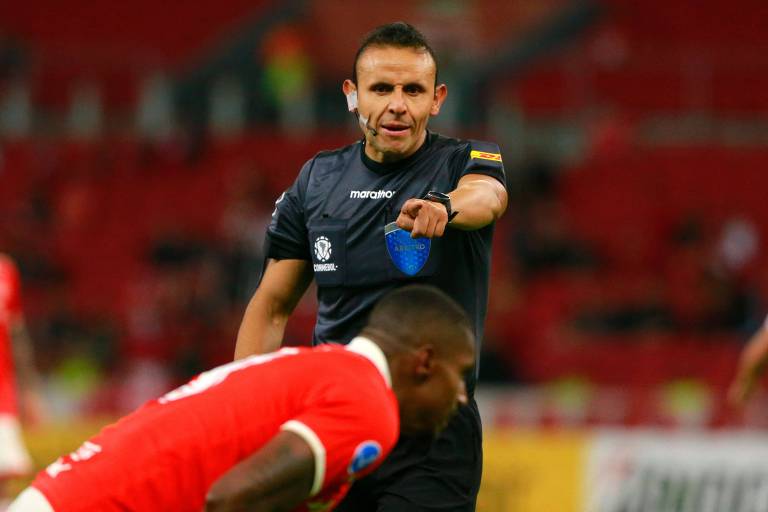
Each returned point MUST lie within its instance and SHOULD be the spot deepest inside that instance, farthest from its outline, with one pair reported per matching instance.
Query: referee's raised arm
(477, 201)
(263, 324)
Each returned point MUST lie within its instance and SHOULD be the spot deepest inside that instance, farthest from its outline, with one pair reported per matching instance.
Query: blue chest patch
(408, 254)
(366, 454)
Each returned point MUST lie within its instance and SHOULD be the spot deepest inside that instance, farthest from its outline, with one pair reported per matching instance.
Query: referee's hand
(424, 219)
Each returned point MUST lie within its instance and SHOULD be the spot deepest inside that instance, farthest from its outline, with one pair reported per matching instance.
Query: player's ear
(441, 92)
(424, 362)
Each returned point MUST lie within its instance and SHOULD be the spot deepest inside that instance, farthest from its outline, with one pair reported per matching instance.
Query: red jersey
(167, 454)
(10, 309)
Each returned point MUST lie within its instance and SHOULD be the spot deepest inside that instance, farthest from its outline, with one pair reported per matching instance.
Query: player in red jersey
(16, 373)
(276, 431)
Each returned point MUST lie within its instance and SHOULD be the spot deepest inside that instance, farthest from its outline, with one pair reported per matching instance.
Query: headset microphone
(361, 119)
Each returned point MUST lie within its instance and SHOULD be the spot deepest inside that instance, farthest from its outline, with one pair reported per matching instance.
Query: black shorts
(426, 474)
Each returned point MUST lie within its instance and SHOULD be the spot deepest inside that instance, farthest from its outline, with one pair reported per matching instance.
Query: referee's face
(397, 94)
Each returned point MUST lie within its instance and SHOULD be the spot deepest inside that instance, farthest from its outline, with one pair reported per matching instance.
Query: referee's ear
(348, 87)
(441, 92)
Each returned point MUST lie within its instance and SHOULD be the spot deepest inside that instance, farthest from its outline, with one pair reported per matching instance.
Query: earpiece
(352, 106)
(352, 101)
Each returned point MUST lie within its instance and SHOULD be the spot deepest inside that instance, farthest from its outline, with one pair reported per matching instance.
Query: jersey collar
(371, 351)
(382, 168)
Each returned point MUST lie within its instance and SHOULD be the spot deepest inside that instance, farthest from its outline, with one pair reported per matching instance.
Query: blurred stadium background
(142, 145)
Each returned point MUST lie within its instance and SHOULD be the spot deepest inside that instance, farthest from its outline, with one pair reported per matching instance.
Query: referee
(402, 205)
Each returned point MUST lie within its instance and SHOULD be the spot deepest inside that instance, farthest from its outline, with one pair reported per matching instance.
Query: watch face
(438, 196)
(444, 199)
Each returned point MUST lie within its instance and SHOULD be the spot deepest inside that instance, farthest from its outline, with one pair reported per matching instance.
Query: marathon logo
(371, 194)
(325, 267)
(494, 157)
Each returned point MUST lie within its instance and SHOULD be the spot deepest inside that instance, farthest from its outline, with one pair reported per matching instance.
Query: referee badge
(408, 254)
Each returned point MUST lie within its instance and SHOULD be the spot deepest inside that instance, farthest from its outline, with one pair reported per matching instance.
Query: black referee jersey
(335, 214)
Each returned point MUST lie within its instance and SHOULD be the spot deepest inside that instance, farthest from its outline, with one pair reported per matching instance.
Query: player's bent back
(167, 454)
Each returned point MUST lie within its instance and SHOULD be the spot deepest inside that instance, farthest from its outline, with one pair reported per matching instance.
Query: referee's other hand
(424, 219)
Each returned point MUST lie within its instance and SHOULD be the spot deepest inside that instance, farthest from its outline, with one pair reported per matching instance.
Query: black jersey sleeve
(484, 158)
(287, 231)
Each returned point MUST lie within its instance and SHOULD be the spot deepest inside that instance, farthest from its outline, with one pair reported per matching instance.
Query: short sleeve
(287, 231)
(349, 438)
(484, 158)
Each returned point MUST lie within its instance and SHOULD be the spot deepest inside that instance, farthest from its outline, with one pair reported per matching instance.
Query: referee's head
(429, 344)
(394, 91)
(399, 35)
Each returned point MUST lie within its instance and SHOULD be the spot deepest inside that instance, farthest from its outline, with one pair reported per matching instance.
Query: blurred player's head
(395, 79)
(428, 341)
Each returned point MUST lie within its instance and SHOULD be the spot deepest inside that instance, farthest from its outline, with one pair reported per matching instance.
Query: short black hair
(416, 312)
(398, 34)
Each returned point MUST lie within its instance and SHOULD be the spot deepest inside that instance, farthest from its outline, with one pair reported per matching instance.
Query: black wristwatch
(444, 199)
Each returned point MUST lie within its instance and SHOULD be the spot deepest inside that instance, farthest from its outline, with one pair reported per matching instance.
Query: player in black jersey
(402, 205)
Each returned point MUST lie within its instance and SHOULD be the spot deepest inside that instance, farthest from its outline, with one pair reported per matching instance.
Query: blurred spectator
(86, 114)
(155, 115)
(703, 297)
(243, 223)
(542, 241)
(13, 56)
(544, 244)
(15, 97)
(643, 312)
(288, 78)
(227, 112)
(16, 109)
(738, 245)
(175, 249)
(72, 382)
